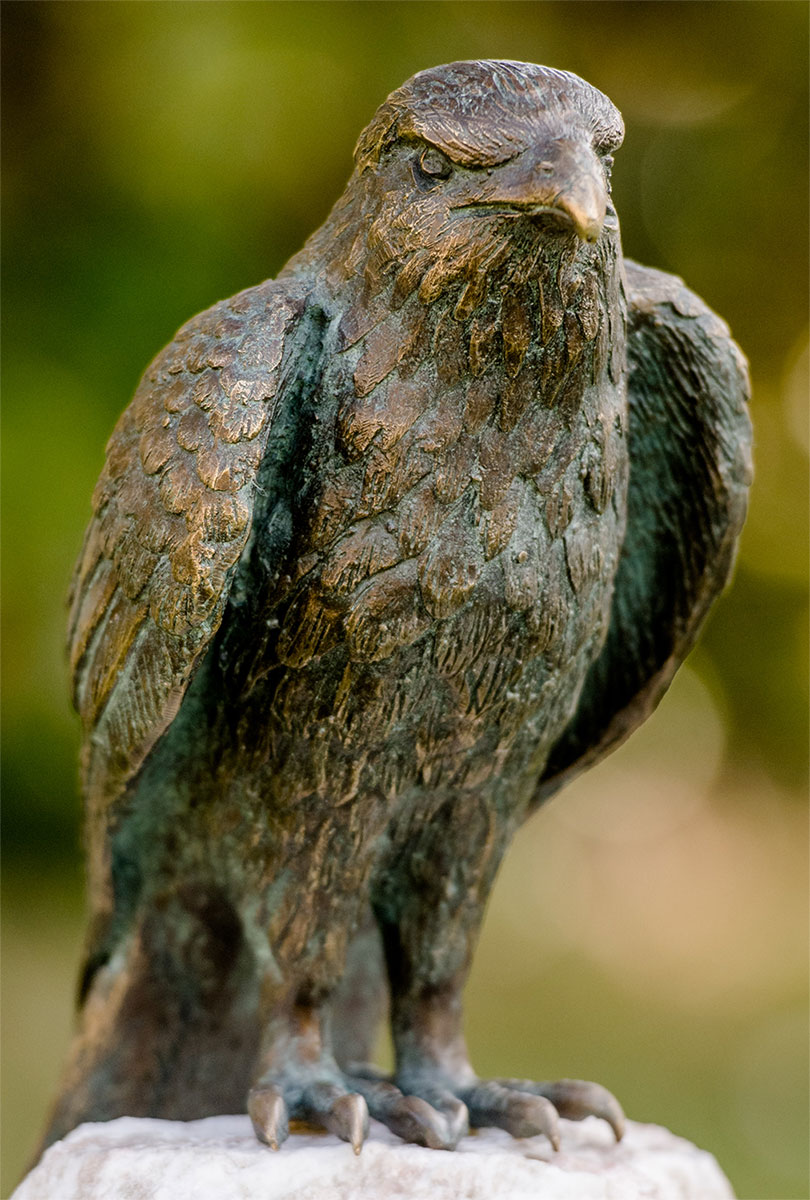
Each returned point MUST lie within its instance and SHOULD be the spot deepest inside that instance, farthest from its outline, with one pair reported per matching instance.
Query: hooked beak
(561, 179)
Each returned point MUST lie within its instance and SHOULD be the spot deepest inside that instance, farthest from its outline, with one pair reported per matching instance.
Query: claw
(526, 1116)
(410, 1117)
(518, 1112)
(576, 1099)
(414, 1120)
(347, 1116)
(451, 1109)
(420, 1108)
(268, 1113)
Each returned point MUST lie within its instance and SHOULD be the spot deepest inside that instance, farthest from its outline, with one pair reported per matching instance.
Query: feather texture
(172, 516)
(690, 438)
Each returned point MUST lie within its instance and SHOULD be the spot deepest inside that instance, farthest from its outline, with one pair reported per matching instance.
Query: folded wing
(172, 515)
(690, 467)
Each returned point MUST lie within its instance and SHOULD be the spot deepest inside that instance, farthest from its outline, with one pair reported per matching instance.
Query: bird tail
(169, 1024)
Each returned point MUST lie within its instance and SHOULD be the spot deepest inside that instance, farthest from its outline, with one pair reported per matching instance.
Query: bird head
(465, 162)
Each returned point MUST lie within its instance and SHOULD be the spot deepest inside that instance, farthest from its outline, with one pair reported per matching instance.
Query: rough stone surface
(219, 1158)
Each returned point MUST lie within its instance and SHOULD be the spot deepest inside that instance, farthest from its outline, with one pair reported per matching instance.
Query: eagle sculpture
(384, 551)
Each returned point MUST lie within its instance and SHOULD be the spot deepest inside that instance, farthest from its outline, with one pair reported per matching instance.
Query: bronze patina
(384, 551)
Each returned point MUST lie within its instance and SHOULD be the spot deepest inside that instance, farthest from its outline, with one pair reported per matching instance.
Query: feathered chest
(456, 454)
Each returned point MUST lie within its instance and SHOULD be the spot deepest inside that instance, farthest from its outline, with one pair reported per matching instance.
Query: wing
(171, 516)
(690, 467)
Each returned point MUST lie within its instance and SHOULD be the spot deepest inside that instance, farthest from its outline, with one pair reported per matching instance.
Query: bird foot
(525, 1108)
(422, 1106)
(430, 1116)
(429, 1111)
(321, 1102)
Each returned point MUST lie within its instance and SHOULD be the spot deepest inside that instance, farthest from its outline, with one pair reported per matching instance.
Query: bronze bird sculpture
(384, 551)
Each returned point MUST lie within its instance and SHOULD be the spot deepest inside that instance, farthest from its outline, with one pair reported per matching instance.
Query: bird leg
(299, 1079)
(430, 1114)
(432, 1064)
(429, 905)
(435, 1114)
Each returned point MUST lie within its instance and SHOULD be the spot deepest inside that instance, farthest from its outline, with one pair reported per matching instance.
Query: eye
(607, 163)
(433, 165)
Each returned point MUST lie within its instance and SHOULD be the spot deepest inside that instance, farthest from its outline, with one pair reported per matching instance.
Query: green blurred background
(649, 928)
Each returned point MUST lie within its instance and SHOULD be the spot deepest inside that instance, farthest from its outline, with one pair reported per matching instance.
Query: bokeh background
(649, 928)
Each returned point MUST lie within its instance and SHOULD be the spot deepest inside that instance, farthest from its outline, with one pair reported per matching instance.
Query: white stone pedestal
(220, 1159)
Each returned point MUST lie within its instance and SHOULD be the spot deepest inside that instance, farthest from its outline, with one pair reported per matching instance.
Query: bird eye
(434, 164)
(607, 163)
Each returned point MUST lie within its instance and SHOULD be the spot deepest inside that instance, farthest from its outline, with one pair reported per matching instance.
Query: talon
(518, 1112)
(268, 1114)
(526, 1116)
(347, 1117)
(577, 1098)
(410, 1117)
(452, 1111)
(414, 1120)
(419, 1122)
(458, 1120)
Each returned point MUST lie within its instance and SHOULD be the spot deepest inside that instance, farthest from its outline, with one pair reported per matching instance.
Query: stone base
(219, 1158)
